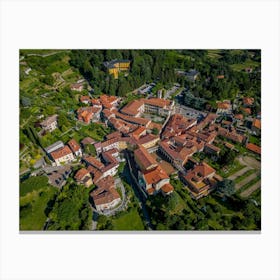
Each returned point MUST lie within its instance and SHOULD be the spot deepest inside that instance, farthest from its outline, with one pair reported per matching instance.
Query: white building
(62, 155)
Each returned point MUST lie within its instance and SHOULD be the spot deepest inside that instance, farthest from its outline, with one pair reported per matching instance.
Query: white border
(166, 24)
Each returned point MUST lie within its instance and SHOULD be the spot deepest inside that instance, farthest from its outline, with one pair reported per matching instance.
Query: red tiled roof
(115, 134)
(61, 152)
(223, 105)
(154, 176)
(136, 120)
(94, 162)
(105, 192)
(177, 125)
(248, 101)
(144, 158)
(254, 148)
(81, 174)
(257, 123)
(151, 191)
(238, 116)
(88, 140)
(85, 98)
(132, 108)
(74, 146)
(212, 147)
(138, 132)
(147, 138)
(167, 188)
(247, 110)
(157, 102)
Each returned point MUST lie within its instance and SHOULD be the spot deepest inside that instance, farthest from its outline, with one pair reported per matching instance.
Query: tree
(226, 187)
(226, 157)
(155, 131)
(89, 149)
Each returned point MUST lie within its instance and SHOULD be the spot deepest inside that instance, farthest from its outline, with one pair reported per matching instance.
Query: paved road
(188, 111)
(250, 190)
(138, 194)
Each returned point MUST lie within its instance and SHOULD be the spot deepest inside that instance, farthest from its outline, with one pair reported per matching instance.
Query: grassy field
(33, 184)
(214, 54)
(233, 168)
(32, 208)
(128, 221)
(243, 176)
(249, 184)
(242, 66)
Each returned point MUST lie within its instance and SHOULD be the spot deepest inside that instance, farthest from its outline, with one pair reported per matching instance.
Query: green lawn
(33, 206)
(128, 221)
(242, 66)
(214, 54)
(255, 140)
(33, 184)
(249, 184)
(243, 176)
(233, 168)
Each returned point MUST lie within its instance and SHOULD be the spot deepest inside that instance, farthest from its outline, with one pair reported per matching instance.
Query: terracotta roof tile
(254, 148)
(74, 146)
(61, 152)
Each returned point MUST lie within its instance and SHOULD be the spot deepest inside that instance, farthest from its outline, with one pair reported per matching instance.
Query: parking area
(189, 112)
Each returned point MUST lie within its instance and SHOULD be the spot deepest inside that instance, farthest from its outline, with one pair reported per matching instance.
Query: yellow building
(116, 66)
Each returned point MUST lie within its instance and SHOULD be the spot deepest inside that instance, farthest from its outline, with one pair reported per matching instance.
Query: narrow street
(138, 194)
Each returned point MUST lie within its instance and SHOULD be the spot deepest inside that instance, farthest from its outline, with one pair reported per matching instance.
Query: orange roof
(95, 101)
(144, 158)
(257, 123)
(105, 192)
(132, 108)
(94, 162)
(61, 152)
(223, 105)
(247, 110)
(156, 175)
(248, 101)
(74, 146)
(108, 98)
(238, 116)
(254, 148)
(106, 183)
(167, 188)
(85, 98)
(138, 132)
(220, 76)
(202, 169)
(81, 174)
(158, 102)
(147, 138)
(136, 120)
(150, 190)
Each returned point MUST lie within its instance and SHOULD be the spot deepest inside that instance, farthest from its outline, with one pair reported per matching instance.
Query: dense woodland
(160, 65)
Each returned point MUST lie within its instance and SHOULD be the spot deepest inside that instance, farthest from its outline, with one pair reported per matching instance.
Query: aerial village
(154, 136)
